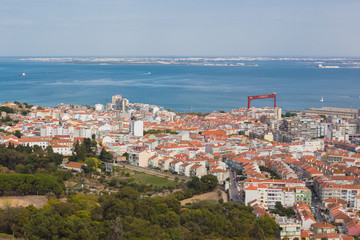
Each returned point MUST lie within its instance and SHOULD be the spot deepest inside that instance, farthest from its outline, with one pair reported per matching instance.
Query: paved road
(315, 203)
(316, 211)
(233, 191)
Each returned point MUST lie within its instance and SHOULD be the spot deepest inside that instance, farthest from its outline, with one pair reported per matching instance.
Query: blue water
(197, 88)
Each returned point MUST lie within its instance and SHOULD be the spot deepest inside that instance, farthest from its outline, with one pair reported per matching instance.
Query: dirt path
(214, 195)
(24, 201)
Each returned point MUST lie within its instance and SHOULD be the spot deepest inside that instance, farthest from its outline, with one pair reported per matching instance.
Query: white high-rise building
(119, 103)
(99, 107)
(136, 127)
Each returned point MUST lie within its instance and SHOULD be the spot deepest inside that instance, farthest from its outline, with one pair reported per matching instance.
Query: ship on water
(322, 66)
(22, 75)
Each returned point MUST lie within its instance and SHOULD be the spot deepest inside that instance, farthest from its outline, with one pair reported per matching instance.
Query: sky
(180, 28)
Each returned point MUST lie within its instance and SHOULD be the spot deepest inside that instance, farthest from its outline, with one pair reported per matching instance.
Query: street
(315, 204)
(233, 191)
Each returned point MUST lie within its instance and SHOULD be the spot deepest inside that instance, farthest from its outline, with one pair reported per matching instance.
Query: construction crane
(250, 98)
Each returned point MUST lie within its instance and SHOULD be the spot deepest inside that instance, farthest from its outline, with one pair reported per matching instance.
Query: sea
(183, 88)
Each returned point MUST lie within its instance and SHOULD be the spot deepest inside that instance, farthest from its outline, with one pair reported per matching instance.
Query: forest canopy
(123, 215)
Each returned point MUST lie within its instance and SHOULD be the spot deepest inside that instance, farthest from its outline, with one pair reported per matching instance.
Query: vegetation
(91, 165)
(241, 132)
(205, 184)
(289, 114)
(8, 121)
(23, 108)
(282, 211)
(7, 109)
(272, 173)
(126, 154)
(6, 132)
(84, 150)
(28, 160)
(123, 215)
(323, 117)
(105, 156)
(155, 181)
(27, 105)
(28, 184)
(18, 134)
(199, 114)
(158, 131)
(126, 214)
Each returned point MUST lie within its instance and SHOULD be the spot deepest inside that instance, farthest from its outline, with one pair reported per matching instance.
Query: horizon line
(170, 56)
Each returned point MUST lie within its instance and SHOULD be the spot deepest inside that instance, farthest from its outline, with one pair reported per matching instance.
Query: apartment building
(268, 196)
(139, 158)
(289, 229)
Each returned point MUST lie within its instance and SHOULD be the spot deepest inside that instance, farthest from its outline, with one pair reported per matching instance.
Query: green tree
(18, 134)
(80, 151)
(209, 182)
(91, 165)
(105, 155)
(126, 154)
(195, 184)
(6, 109)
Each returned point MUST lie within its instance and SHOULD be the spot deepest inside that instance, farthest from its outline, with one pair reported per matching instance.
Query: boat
(22, 75)
(322, 99)
(149, 73)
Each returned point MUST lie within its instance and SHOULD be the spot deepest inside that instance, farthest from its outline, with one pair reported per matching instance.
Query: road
(316, 212)
(233, 191)
(315, 203)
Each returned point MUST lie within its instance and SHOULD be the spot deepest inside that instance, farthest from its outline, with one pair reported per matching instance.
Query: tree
(282, 211)
(87, 144)
(105, 155)
(116, 229)
(209, 182)
(241, 132)
(79, 151)
(18, 134)
(91, 165)
(257, 232)
(126, 154)
(125, 215)
(195, 184)
(6, 109)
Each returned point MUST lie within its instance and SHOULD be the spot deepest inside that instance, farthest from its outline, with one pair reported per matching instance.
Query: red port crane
(250, 98)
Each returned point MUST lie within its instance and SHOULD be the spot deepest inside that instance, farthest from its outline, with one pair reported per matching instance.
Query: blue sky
(179, 27)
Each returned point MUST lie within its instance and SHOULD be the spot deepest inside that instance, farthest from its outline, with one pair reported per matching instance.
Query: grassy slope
(154, 180)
